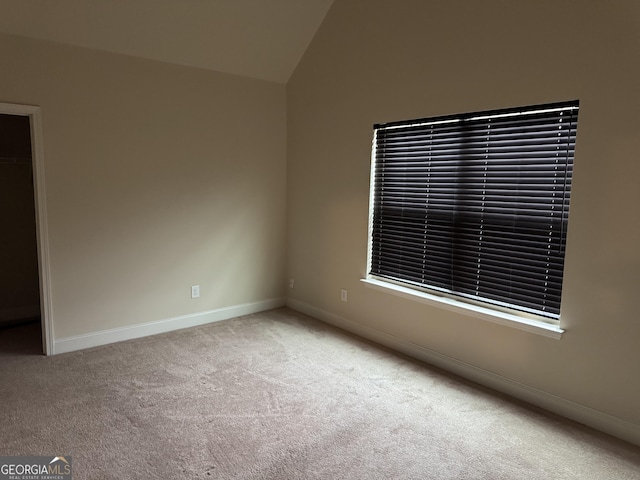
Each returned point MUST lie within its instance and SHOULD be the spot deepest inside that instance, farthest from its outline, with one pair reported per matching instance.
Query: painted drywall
(375, 61)
(253, 38)
(158, 177)
(19, 289)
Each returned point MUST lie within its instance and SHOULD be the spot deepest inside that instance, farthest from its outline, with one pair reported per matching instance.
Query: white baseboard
(596, 419)
(104, 337)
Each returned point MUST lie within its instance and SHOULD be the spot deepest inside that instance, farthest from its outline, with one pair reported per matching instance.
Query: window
(476, 206)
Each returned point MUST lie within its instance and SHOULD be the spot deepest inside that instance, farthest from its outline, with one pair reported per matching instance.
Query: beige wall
(158, 177)
(375, 61)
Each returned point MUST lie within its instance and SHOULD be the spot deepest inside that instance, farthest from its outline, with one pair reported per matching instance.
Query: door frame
(42, 229)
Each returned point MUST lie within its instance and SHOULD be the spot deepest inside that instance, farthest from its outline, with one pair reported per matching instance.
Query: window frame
(495, 312)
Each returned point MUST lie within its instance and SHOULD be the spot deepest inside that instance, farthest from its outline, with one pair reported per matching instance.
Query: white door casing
(42, 231)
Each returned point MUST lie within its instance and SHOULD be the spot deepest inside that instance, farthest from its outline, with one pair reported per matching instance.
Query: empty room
(320, 239)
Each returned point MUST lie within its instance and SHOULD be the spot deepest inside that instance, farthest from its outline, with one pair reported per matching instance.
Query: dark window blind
(476, 205)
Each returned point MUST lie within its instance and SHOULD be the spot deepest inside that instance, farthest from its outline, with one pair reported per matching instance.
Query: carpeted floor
(279, 395)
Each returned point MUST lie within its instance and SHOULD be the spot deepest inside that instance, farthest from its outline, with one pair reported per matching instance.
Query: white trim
(372, 189)
(42, 228)
(574, 411)
(104, 337)
(494, 316)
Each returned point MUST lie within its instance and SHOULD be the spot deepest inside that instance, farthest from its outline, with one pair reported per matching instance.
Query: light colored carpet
(278, 395)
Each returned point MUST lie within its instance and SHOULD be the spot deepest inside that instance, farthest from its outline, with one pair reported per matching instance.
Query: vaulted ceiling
(263, 39)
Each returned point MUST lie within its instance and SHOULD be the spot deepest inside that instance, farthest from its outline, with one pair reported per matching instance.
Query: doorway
(24, 295)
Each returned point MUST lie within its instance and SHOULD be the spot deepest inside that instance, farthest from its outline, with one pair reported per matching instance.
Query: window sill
(502, 318)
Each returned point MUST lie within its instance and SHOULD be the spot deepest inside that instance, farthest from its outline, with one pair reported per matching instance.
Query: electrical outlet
(195, 291)
(292, 282)
(343, 295)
